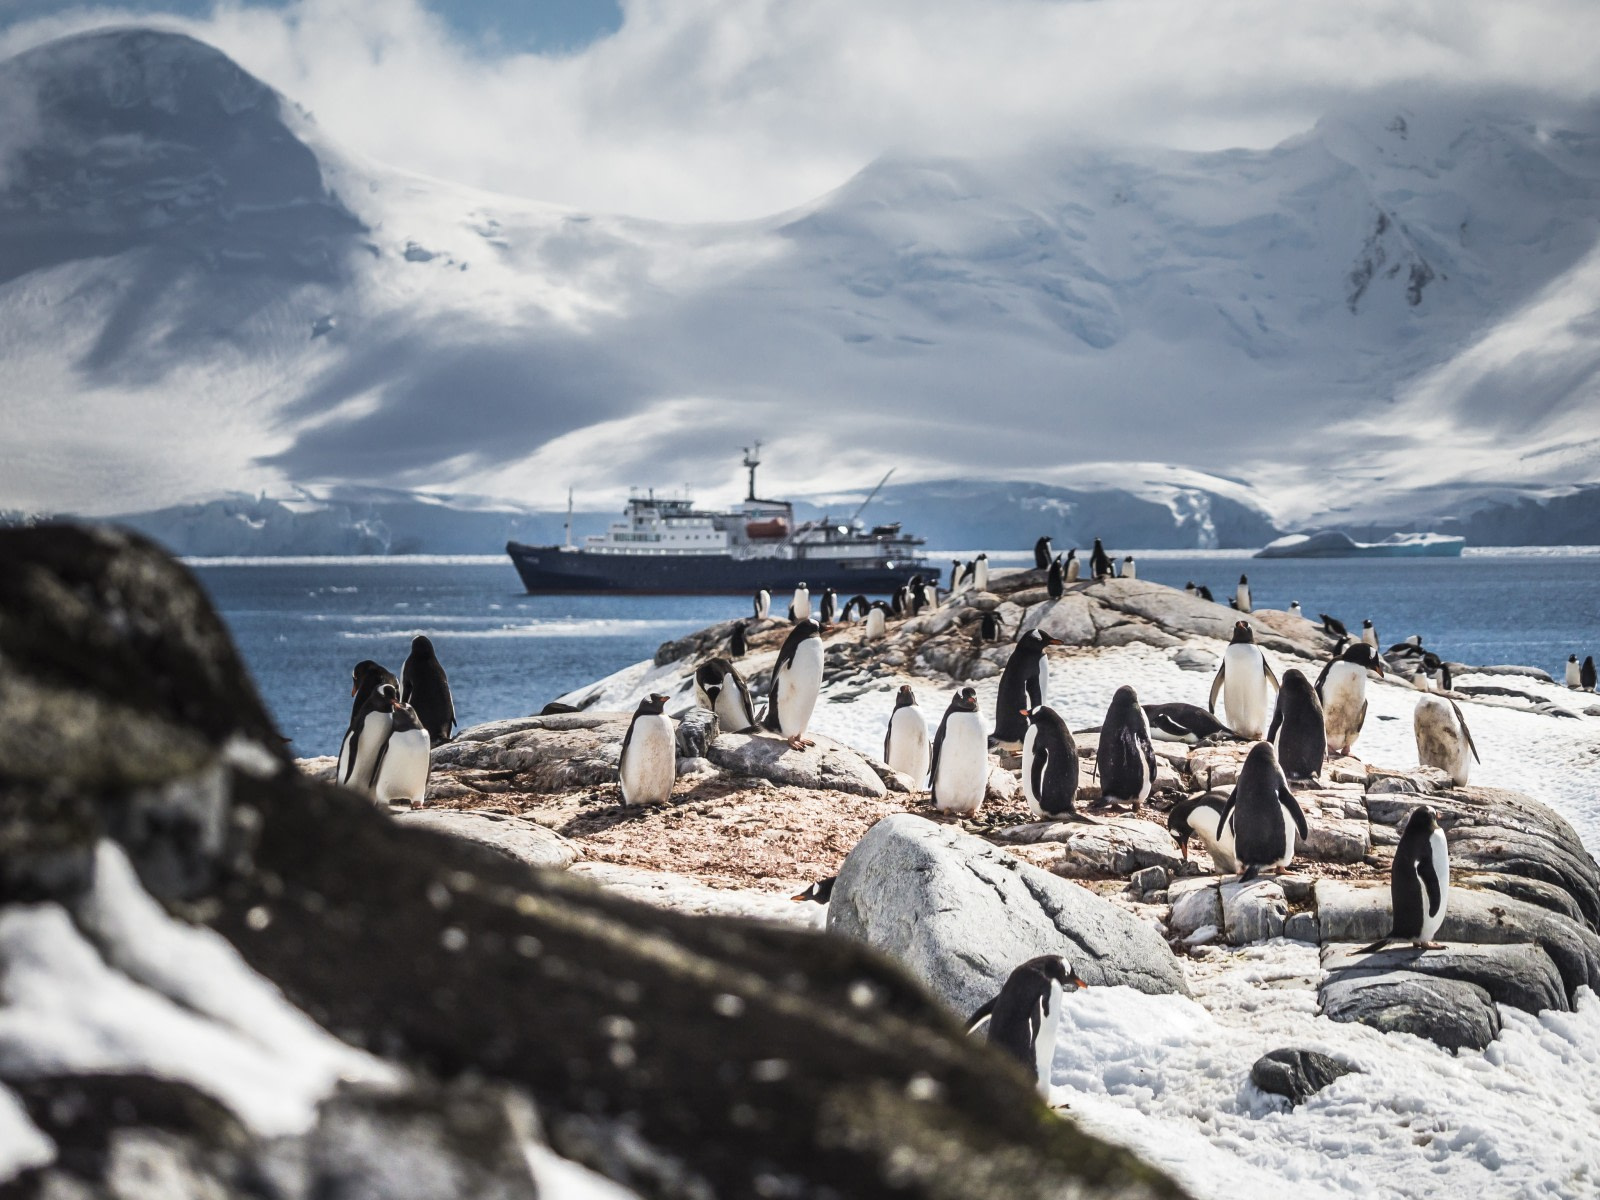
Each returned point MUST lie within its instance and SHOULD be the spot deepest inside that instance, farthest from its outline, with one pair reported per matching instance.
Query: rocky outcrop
(960, 914)
(521, 841)
(826, 766)
(1296, 1074)
(1452, 1013)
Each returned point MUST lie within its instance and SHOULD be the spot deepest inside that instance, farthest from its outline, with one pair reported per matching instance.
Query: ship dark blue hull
(553, 570)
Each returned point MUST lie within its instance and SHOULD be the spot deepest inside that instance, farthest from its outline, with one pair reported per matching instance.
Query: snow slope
(200, 295)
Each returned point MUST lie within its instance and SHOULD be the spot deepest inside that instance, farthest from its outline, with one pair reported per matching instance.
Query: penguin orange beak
(1379, 670)
(1080, 984)
(354, 688)
(1025, 712)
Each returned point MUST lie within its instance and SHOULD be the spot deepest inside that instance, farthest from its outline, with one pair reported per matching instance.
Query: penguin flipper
(933, 760)
(377, 766)
(1376, 946)
(1430, 881)
(1277, 719)
(1361, 721)
(1323, 678)
(1041, 760)
(1265, 666)
(985, 1011)
(1286, 798)
(1216, 686)
(1465, 732)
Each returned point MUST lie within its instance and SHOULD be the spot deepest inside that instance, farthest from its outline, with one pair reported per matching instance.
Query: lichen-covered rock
(519, 840)
(1296, 1074)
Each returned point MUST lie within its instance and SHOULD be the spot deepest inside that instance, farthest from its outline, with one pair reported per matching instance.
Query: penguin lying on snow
(1262, 815)
(905, 744)
(719, 687)
(796, 683)
(1201, 816)
(649, 763)
(959, 773)
(1025, 1016)
(819, 892)
(1443, 739)
(1187, 723)
(426, 688)
(1419, 883)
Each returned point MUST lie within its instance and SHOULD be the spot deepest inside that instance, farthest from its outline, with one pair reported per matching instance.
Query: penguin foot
(798, 742)
(1429, 945)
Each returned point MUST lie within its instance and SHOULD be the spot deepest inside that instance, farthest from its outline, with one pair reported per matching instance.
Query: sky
(720, 110)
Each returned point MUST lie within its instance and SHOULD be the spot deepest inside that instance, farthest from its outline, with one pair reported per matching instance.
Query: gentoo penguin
(1242, 678)
(365, 679)
(763, 603)
(1130, 569)
(930, 594)
(1369, 633)
(719, 687)
(959, 773)
(796, 681)
(1294, 609)
(372, 727)
(426, 688)
(800, 606)
(1099, 562)
(900, 601)
(1262, 814)
(1189, 588)
(1298, 732)
(830, 606)
(1056, 581)
(905, 744)
(739, 641)
(1332, 626)
(1419, 883)
(876, 624)
(1573, 680)
(989, 628)
(1586, 675)
(957, 574)
(1125, 760)
(980, 573)
(1187, 723)
(1241, 598)
(855, 608)
(819, 892)
(1071, 569)
(1443, 739)
(400, 776)
(1041, 554)
(1049, 765)
(1201, 817)
(1205, 593)
(1024, 684)
(649, 762)
(1025, 1016)
(1342, 687)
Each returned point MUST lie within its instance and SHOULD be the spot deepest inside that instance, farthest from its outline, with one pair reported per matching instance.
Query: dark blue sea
(302, 623)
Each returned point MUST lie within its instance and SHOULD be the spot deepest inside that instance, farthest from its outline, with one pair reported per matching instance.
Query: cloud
(716, 110)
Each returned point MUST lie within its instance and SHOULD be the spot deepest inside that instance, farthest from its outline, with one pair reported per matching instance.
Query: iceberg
(1332, 543)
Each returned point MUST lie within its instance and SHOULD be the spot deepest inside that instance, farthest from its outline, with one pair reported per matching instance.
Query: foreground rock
(961, 914)
(678, 1055)
(1296, 1074)
(519, 840)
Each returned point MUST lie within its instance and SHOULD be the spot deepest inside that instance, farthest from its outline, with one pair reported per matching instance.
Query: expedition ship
(668, 546)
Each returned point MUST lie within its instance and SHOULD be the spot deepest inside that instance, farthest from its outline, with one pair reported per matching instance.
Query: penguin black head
(1296, 684)
(1243, 633)
(1057, 969)
(1040, 639)
(808, 628)
(1261, 757)
(405, 718)
(1445, 684)
(821, 891)
(387, 696)
(1570, 658)
(905, 697)
(1178, 819)
(1126, 700)
(1422, 821)
(1367, 623)
(1072, 554)
(966, 700)
(1189, 586)
(652, 706)
(1244, 581)
(367, 667)
(422, 647)
(1098, 546)
(709, 675)
(1364, 655)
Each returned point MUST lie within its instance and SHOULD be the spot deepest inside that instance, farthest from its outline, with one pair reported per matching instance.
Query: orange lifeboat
(765, 531)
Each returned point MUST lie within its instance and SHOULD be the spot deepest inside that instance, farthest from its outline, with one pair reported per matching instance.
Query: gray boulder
(1520, 976)
(558, 753)
(1296, 1074)
(827, 766)
(1253, 911)
(516, 839)
(1448, 1012)
(961, 914)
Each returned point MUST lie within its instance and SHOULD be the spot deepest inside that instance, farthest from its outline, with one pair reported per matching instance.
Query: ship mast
(870, 495)
(569, 519)
(752, 460)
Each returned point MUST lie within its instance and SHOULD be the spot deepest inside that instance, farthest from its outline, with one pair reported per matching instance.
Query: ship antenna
(870, 495)
(569, 519)
(752, 459)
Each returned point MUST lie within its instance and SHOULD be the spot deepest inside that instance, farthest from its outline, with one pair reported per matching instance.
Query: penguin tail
(1078, 818)
(1376, 946)
(1249, 873)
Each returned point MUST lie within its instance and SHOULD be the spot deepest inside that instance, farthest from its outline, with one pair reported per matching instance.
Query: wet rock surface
(1296, 1074)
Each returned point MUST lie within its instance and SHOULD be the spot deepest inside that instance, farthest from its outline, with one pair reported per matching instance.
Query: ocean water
(301, 624)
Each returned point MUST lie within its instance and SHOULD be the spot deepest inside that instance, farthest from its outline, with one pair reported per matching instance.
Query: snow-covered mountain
(200, 295)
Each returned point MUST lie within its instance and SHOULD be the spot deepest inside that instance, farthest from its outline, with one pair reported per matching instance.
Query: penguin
(720, 688)
(930, 594)
(1443, 739)
(1024, 684)
(980, 573)
(400, 774)
(957, 574)
(819, 892)
(1041, 554)
(1369, 634)
(1342, 687)
(1049, 765)
(763, 603)
(796, 681)
(1187, 723)
(1025, 1017)
(1201, 817)
(1419, 883)
(1242, 679)
(426, 688)
(1055, 581)
(1574, 680)
(372, 728)
(649, 763)
(1126, 760)
(876, 624)
(1298, 732)
(1071, 569)
(916, 597)
(1189, 588)
(905, 743)
(1130, 569)
(1262, 814)
(1099, 562)
(989, 628)
(1241, 598)
(800, 606)
(1332, 626)
(958, 775)
(1294, 609)
(1586, 675)
(830, 606)
(739, 641)
(855, 608)
(900, 601)
(1205, 593)
(365, 679)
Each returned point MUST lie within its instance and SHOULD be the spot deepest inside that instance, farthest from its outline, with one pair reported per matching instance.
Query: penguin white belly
(1244, 690)
(1204, 823)
(908, 744)
(800, 609)
(403, 778)
(732, 715)
(1029, 739)
(1440, 849)
(1044, 1043)
(649, 762)
(1073, 571)
(375, 730)
(1440, 742)
(980, 575)
(876, 625)
(1574, 677)
(1289, 837)
(1044, 680)
(963, 773)
(798, 685)
(1344, 697)
(344, 755)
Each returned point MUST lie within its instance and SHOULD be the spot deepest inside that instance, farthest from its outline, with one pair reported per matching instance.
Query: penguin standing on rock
(1294, 609)
(830, 606)
(1298, 731)
(800, 606)
(989, 628)
(957, 574)
(1130, 569)
(1586, 674)
(1419, 883)
(1332, 626)
(1443, 739)
(400, 775)
(649, 763)
(365, 679)
(426, 688)
(1071, 569)
(739, 641)
(1024, 685)
(762, 603)
(1201, 817)
(1242, 678)
(930, 594)
(1369, 633)
(876, 624)
(1125, 759)
(1055, 581)
(1241, 598)
(372, 728)
(1041, 554)
(980, 573)
(1262, 814)
(1574, 681)
(720, 688)
(1025, 1017)
(1099, 562)
(796, 683)
(1050, 766)
(1342, 687)
(959, 773)
(905, 744)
